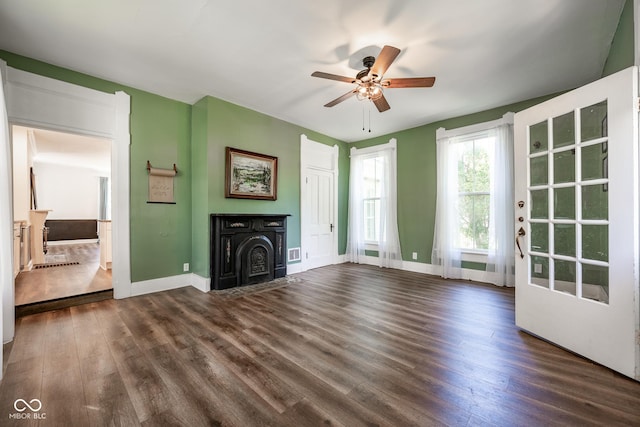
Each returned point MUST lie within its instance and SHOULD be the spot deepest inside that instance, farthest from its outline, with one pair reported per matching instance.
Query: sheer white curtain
(104, 211)
(389, 252)
(355, 231)
(446, 249)
(446, 243)
(500, 259)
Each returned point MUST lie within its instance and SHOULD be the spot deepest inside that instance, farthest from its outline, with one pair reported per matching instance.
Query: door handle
(331, 228)
(521, 233)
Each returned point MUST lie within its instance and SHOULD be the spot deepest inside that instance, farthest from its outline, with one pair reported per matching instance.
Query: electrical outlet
(414, 255)
(537, 268)
(185, 266)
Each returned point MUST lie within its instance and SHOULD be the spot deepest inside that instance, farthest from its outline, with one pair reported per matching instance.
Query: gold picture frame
(250, 175)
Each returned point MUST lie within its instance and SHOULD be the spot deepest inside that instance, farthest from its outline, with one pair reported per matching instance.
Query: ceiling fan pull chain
(363, 118)
(369, 120)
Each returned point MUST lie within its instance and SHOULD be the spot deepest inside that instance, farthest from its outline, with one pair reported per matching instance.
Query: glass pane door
(568, 203)
(578, 221)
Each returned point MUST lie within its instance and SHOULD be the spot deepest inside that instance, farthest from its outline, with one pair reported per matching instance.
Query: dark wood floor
(346, 345)
(46, 284)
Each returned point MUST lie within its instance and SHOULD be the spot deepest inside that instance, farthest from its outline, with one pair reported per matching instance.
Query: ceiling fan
(370, 82)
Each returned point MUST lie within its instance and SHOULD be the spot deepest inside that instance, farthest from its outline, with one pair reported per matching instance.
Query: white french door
(576, 193)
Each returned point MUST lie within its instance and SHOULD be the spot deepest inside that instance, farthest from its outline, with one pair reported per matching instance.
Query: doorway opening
(62, 218)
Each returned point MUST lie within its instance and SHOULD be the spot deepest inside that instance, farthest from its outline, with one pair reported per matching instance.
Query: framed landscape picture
(250, 175)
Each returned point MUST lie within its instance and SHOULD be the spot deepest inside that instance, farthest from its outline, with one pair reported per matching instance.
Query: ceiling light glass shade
(369, 90)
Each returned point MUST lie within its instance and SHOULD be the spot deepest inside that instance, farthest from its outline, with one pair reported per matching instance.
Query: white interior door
(319, 248)
(318, 203)
(576, 193)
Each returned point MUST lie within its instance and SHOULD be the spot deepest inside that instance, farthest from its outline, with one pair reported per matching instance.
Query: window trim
(471, 138)
(469, 254)
(442, 133)
(474, 255)
(487, 139)
(373, 151)
(370, 242)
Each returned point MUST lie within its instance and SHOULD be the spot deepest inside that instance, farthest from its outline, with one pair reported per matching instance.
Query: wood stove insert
(247, 249)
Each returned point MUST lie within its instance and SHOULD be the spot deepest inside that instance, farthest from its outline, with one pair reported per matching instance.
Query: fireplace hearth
(247, 249)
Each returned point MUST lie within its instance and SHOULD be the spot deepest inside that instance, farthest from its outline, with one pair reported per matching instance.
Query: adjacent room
(255, 213)
(61, 204)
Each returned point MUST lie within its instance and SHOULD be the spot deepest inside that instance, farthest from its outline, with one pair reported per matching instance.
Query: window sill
(370, 246)
(474, 256)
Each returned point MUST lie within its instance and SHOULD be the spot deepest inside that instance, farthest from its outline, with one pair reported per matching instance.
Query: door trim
(37, 101)
(310, 160)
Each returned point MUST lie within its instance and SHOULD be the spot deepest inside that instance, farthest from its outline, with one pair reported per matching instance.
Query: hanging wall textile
(161, 184)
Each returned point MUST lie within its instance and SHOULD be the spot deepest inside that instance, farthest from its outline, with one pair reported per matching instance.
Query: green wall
(417, 176)
(199, 189)
(218, 124)
(164, 131)
(417, 154)
(161, 133)
(621, 54)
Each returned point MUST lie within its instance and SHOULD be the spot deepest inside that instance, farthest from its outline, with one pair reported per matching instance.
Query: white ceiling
(260, 54)
(72, 150)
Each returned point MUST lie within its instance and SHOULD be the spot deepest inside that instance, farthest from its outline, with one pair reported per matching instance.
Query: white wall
(21, 184)
(69, 192)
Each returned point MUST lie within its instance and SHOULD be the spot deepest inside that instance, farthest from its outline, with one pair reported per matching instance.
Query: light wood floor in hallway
(345, 345)
(45, 284)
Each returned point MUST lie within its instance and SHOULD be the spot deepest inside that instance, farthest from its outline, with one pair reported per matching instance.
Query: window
(372, 173)
(373, 226)
(474, 173)
(474, 204)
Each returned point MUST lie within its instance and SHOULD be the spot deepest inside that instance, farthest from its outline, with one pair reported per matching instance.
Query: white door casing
(318, 203)
(6, 221)
(565, 312)
(42, 102)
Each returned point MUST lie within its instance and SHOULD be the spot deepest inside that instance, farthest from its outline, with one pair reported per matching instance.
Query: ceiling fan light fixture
(369, 91)
(369, 82)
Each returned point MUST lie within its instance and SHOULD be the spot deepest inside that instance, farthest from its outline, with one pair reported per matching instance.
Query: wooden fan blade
(409, 82)
(381, 104)
(384, 60)
(340, 99)
(333, 77)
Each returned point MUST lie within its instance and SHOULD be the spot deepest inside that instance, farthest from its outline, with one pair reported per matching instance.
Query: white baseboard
(144, 287)
(294, 268)
(70, 242)
(341, 259)
(301, 266)
(420, 267)
(373, 260)
(435, 270)
(161, 284)
(203, 284)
